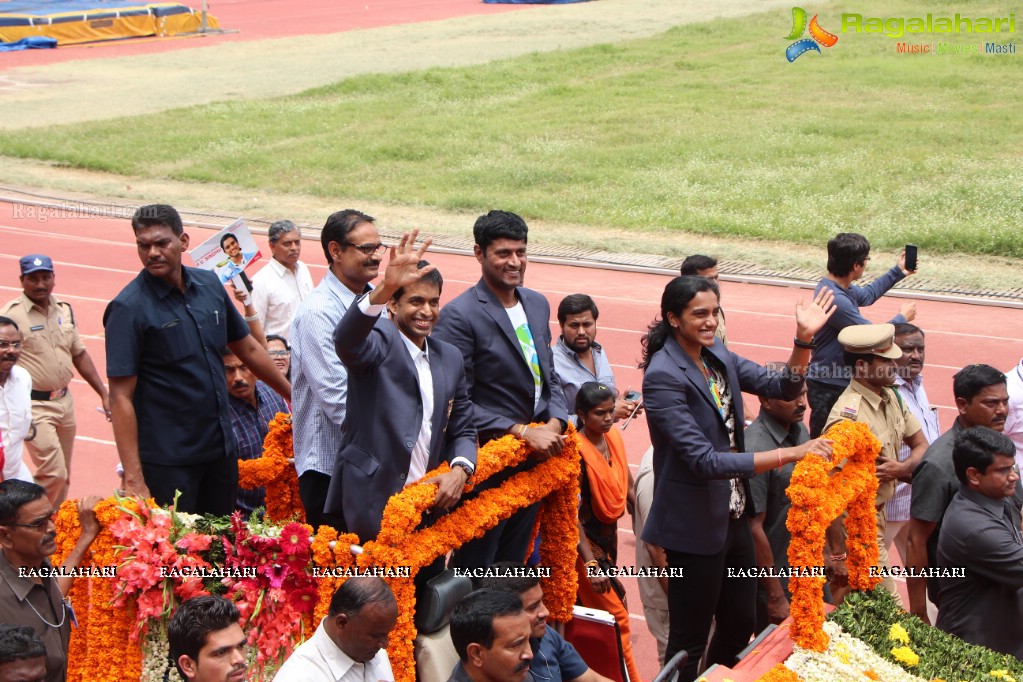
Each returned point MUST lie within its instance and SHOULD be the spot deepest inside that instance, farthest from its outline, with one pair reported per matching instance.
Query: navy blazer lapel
(693, 373)
(440, 406)
(499, 315)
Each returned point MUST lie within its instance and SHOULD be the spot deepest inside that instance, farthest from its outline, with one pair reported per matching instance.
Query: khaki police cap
(876, 339)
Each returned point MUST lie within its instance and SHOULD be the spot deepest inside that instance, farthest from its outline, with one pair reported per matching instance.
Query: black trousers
(207, 488)
(822, 397)
(507, 541)
(312, 489)
(704, 593)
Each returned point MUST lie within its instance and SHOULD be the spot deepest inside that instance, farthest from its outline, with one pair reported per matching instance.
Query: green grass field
(704, 129)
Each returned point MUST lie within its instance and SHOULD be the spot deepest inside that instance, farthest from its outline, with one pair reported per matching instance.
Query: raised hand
(810, 319)
(403, 263)
(402, 267)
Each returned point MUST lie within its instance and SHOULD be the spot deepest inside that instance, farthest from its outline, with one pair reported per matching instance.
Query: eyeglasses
(279, 353)
(7, 345)
(38, 524)
(366, 249)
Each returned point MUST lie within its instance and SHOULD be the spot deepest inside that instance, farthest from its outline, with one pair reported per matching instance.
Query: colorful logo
(818, 36)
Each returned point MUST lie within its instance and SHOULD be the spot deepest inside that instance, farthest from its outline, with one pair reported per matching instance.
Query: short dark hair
(516, 584)
(573, 304)
(157, 214)
(432, 277)
(845, 250)
(850, 359)
(591, 394)
(972, 379)
(906, 328)
(227, 236)
(338, 226)
(696, 262)
(279, 229)
(357, 592)
(8, 322)
(192, 623)
(499, 225)
(472, 618)
(976, 447)
(19, 643)
(278, 337)
(15, 494)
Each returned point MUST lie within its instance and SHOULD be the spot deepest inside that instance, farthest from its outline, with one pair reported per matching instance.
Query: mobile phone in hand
(632, 395)
(625, 424)
(910, 257)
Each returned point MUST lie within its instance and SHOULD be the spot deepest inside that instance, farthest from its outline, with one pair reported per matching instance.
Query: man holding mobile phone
(827, 376)
(578, 358)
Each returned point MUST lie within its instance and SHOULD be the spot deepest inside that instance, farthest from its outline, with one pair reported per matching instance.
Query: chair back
(595, 635)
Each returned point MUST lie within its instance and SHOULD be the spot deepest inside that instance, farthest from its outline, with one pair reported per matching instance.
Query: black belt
(49, 395)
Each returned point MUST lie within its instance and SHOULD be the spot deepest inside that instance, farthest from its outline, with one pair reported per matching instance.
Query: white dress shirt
(915, 397)
(276, 294)
(320, 660)
(16, 422)
(421, 360)
(1014, 419)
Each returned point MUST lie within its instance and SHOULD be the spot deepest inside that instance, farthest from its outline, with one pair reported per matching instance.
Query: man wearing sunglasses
(32, 591)
(351, 245)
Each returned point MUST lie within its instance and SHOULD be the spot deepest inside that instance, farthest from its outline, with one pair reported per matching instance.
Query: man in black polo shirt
(165, 335)
(982, 400)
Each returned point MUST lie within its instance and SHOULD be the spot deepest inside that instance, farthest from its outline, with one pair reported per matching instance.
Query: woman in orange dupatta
(605, 488)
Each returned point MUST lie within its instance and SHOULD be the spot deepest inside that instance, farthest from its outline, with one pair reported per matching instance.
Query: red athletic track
(262, 19)
(95, 258)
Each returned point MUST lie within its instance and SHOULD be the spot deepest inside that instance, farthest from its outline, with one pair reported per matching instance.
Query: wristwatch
(464, 467)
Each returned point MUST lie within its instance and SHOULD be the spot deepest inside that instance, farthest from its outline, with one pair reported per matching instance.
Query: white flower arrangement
(846, 659)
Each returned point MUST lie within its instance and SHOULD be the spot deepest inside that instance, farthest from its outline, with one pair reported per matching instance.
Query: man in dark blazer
(408, 403)
(503, 331)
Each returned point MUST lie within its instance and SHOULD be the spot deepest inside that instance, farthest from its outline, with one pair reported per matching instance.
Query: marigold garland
(817, 499)
(330, 551)
(276, 472)
(103, 629)
(560, 545)
(779, 673)
(402, 544)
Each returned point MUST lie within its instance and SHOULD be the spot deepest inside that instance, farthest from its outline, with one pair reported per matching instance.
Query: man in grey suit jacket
(503, 331)
(408, 403)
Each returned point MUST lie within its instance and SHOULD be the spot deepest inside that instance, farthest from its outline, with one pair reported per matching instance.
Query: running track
(265, 19)
(95, 257)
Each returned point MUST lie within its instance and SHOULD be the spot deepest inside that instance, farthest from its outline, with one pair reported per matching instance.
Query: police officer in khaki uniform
(52, 350)
(870, 354)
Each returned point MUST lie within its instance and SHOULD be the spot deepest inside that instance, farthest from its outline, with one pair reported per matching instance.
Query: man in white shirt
(351, 642)
(284, 282)
(910, 382)
(1014, 418)
(15, 404)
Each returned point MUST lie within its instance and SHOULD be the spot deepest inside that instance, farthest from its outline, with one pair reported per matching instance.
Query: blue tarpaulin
(28, 43)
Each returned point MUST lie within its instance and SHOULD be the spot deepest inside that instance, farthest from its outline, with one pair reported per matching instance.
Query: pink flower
(194, 543)
(190, 587)
(276, 573)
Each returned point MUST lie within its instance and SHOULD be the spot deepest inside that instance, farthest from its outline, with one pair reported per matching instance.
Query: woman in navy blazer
(692, 388)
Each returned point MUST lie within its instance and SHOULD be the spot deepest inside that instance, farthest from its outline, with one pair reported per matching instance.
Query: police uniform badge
(851, 408)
